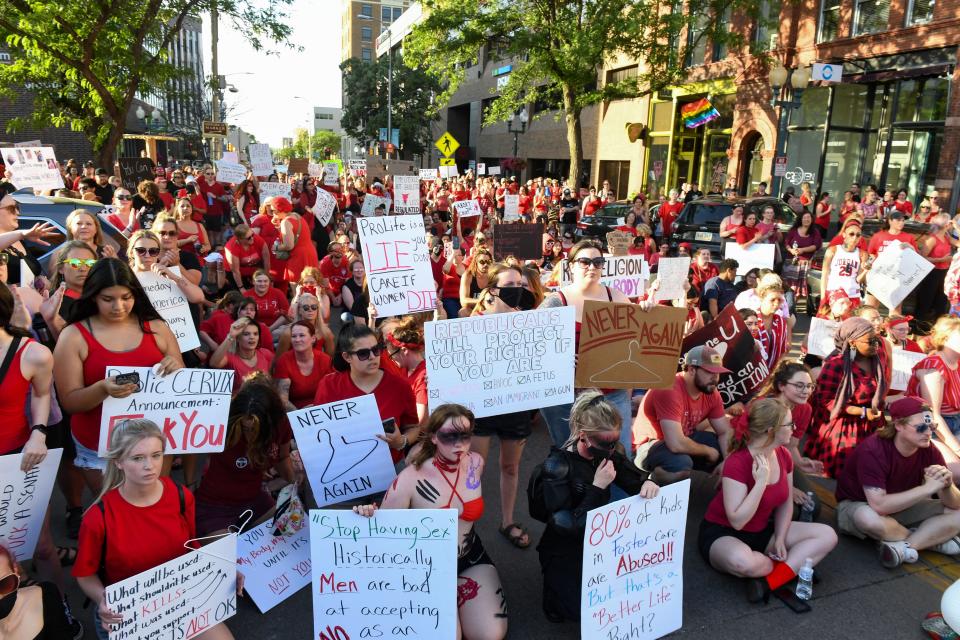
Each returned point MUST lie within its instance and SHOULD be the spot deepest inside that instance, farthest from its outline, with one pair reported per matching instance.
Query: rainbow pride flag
(697, 113)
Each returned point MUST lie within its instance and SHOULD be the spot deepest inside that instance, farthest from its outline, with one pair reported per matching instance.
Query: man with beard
(683, 428)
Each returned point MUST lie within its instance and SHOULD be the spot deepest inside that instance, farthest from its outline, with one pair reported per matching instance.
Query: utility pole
(215, 143)
(389, 91)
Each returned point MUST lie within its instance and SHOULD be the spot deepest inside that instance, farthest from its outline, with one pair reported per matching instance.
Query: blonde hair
(311, 272)
(769, 282)
(125, 436)
(61, 254)
(165, 218)
(141, 234)
(643, 229)
(945, 327)
(592, 414)
(535, 284)
(764, 417)
(76, 213)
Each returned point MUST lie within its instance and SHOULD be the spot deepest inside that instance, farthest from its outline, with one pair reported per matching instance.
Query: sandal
(67, 555)
(516, 539)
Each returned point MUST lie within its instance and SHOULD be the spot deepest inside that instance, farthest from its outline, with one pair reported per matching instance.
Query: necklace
(445, 467)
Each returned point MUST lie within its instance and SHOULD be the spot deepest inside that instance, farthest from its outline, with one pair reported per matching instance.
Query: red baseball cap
(906, 407)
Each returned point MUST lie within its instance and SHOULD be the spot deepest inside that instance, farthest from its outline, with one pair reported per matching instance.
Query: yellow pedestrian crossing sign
(448, 162)
(447, 144)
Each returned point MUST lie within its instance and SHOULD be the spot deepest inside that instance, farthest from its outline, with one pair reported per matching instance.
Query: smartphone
(128, 378)
(389, 425)
(456, 243)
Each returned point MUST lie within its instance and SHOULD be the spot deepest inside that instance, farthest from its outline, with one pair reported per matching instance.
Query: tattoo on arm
(473, 473)
(427, 491)
(503, 604)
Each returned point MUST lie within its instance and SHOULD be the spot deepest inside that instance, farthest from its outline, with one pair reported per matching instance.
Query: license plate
(703, 236)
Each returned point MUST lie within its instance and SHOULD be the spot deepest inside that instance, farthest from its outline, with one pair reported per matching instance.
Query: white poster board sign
(331, 174)
(342, 455)
(758, 256)
(230, 172)
(467, 208)
(191, 407)
(511, 207)
(429, 174)
(23, 501)
(261, 162)
(633, 566)
(481, 169)
(230, 156)
(314, 170)
(33, 167)
(493, 170)
(399, 277)
(627, 274)
(370, 204)
(672, 274)
(903, 363)
(895, 273)
(449, 171)
(168, 299)
(274, 190)
(396, 571)
(820, 337)
(324, 206)
(274, 567)
(501, 363)
(358, 167)
(406, 190)
(181, 598)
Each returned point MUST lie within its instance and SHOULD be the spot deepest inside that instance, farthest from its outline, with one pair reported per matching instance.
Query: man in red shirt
(887, 487)
(668, 213)
(667, 435)
(334, 268)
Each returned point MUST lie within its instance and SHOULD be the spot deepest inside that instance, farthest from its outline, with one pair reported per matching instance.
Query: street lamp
(799, 79)
(154, 117)
(517, 125)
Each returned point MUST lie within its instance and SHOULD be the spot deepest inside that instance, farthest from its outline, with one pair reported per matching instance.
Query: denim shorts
(88, 458)
(953, 423)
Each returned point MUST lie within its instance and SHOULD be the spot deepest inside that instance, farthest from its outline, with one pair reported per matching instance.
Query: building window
(768, 21)
(366, 55)
(829, 20)
(366, 11)
(623, 73)
(617, 172)
(871, 16)
(385, 14)
(696, 43)
(720, 49)
(396, 13)
(366, 34)
(324, 116)
(920, 11)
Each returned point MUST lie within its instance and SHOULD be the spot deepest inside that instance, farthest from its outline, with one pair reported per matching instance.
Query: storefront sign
(780, 166)
(798, 175)
(825, 72)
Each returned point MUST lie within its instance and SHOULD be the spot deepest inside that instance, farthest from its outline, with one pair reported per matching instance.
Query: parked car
(699, 221)
(603, 221)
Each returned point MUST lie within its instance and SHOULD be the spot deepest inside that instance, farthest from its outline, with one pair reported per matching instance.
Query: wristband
(42, 428)
(864, 411)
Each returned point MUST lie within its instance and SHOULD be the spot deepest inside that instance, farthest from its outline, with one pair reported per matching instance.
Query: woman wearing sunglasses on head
(72, 262)
(307, 307)
(574, 479)
(444, 474)
(240, 351)
(32, 613)
(357, 372)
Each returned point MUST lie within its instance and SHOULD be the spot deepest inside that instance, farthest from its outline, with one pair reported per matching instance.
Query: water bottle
(805, 580)
(806, 512)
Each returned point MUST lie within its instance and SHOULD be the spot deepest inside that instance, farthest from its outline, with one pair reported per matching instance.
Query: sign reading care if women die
(395, 257)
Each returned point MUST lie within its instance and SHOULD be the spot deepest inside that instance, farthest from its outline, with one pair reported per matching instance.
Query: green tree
(365, 108)
(326, 145)
(557, 48)
(87, 61)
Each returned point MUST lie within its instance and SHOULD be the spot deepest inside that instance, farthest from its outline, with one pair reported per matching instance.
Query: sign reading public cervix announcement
(191, 407)
(501, 363)
(23, 501)
(395, 256)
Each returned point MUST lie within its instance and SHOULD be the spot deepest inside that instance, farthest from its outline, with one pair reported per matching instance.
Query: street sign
(447, 144)
(780, 166)
(448, 162)
(214, 129)
(827, 72)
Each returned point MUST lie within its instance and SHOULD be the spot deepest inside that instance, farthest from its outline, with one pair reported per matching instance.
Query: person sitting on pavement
(887, 487)
(719, 290)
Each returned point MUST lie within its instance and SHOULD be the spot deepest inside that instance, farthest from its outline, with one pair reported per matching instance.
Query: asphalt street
(855, 597)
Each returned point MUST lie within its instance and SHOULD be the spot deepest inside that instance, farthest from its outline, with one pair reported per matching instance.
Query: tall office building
(363, 21)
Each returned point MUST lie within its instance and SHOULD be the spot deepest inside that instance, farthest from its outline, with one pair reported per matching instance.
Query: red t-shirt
(334, 274)
(265, 228)
(674, 404)
(138, 538)
(241, 369)
(270, 305)
(739, 466)
(880, 240)
(418, 380)
(906, 206)
(950, 405)
(746, 234)
(302, 388)
(232, 478)
(251, 256)
(668, 213)
(802, 415)
(217, 326)
(876, 462)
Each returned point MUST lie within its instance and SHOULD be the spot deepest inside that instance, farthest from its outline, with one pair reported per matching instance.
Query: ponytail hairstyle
(461, 417)
(7, 304)
(257, 406)
(126, 435)
(592, 414)
(350, 333)
(764, 417)
(408, 334)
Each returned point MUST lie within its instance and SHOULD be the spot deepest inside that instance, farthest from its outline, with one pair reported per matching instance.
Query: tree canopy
(322, 141)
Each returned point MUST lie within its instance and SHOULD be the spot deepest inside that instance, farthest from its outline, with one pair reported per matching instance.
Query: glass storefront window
(813, 109)
(841, 163)
(662, 116)
(933, 99)
(657, 159)
(803, 157)
(907, 100)
(913, 161)
(725, 105)
(849, 105)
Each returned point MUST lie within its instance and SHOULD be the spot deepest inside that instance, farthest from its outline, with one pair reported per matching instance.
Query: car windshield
(613, 212)
(707, 213)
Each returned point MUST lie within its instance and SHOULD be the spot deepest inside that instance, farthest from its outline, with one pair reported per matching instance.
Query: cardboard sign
(370, 204)
(758, 256)
(275, 567)
(619, 242)
(626, 274)
(903, 363)
(624, 347)
(511, 207)
(522, 241)
(133, 171)
(297, 165)
(331, 174)
(895, 273)
(633, 566)
(261, 162)
(396, 572)
(820, 337)
(230, 172)
(376, 169)
(429, 174)
(467, 208)
(399, 277)
(358, 167)
(274, 190)
(672, 274)
(33, 167)
(23, 501)
(181, 598)
(168, 299)
(324, 206)
(191, 407)
(343, 457)
(501, 363)
(406, 189)
(728, 334)
(401, 168)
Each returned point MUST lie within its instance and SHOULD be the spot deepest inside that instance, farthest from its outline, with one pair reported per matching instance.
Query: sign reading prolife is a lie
(390, 576)
(23, 501)
(343, 457)
(168, 299)
(274, 567)
(181, 598)
(633, 567)
(501, 363)
(191, 407)
(395, 257)
(407, 192)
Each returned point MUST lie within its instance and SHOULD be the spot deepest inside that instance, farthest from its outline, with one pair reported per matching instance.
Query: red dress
(303, 254)
(14, 430)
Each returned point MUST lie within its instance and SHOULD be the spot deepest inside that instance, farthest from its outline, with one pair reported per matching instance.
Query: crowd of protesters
(280, 297)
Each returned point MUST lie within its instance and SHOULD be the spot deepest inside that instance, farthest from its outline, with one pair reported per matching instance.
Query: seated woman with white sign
(445, 474)
(29, 612)
(241, 353)
(145, 253)
(140, 520)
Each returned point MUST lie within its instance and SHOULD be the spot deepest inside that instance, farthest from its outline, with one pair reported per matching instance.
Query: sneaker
(893, 554)
(949, 547)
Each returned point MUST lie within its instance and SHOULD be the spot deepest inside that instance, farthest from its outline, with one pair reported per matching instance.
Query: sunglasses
(168, 234)
(453, 437)
(364, 354)
(124, 198)
(483, 262)
(309, 307)
(15, 207)
(586, 263)
(245, 239)
(606, 445)
(336, 256)
(8, 584)
(76, 263)
(153, 252)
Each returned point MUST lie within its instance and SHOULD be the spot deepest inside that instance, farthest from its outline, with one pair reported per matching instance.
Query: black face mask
(599, 454)
(6, 604)
(516, 297)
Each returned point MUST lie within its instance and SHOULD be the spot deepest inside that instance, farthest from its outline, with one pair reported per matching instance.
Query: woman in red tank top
(937, 247)
(111, 324)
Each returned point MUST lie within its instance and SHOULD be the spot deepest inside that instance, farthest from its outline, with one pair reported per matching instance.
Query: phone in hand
(128, 378)
(456, 243)
(389, 425)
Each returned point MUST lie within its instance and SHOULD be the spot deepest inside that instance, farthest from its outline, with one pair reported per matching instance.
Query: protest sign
(261, 162)
(274, 567)
(274, 190)
(895, 273)
(33, 167)
(511, 207)
(493, 170)
(401, 168)
(672, 275)
(181, 598)
(407, 192)
(230, 156)
(501, 363)
(619, 242)
(343, 457)
(324, 206)
(135, 170)
(758, 256)
(632, 585)
(397, 570)
(314, 170)
(376, 169)
(168, 299)
(481, 169)
(728, 334)
(370, 204)
(280, 168)
(522, 241)
(625, 347)
(331, 174)
(467, 208)
(298, 165)
(29, 143)
(429, 174)
(449, 171)
(358, 168)
(190, 406)
(820, 337)
(23, 501)
(230, 172)
(903, 363)
(626, 274)
(399, 277)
